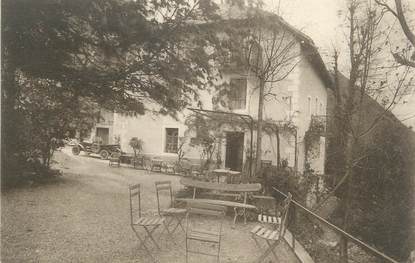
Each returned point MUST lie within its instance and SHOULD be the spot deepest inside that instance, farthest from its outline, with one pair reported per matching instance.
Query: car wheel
(76, 150)
(104, 154)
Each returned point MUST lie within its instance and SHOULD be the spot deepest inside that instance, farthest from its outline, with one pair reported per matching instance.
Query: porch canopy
(218, 116)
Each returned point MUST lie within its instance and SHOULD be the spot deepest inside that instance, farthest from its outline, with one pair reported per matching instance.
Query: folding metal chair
(138, 162)
(273, 236)
(149, 224)
(156, 165)
(114, 159)
(197, 227)
(196, 170)
(168, 168)
(175, 214)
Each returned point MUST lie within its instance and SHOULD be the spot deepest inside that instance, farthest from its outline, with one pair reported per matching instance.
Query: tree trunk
(259, 124)
(344, 207)
(278, 148)
(52, 151)
(344, 258)
(346, 196)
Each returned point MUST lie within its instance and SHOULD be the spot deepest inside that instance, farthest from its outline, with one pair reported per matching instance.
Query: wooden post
(245, 197)
(294, 215)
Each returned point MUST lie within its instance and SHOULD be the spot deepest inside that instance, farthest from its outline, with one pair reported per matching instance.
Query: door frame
(242, 138)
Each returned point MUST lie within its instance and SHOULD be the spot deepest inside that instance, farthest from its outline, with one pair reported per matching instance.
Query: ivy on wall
(312, 136)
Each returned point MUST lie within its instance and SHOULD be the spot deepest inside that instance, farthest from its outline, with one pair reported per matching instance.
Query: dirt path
(84, 217)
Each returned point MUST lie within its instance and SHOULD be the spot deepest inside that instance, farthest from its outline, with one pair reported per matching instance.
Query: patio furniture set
(185, 168)
(203, 217)
(226, 190)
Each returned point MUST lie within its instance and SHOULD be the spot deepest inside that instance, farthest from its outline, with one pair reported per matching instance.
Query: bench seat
(235, 205)
(237, 188)
(204, 236)
(217, 202)
(265, 233)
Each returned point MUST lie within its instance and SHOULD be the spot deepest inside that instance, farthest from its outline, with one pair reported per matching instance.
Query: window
(172, 140)
(236, 58)
(316, 107)
(289, 101)
(233, 57)
(255, 54)
(321, 108)
(237, 94)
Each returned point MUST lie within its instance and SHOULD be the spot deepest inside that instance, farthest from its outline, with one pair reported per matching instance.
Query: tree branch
(402, 20)
(387, 7)
(403, 60)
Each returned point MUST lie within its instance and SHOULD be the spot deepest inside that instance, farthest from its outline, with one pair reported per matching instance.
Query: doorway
(103, 133)
(234, 150)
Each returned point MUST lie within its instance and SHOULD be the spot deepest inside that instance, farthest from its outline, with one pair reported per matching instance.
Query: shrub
(137, 145)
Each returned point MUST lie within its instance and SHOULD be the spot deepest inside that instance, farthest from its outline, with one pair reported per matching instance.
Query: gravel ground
(83, 216)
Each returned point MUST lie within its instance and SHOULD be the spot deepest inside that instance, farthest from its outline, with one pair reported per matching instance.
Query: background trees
(121, 55)
(131, 51)
(357, 122)
(406, 54)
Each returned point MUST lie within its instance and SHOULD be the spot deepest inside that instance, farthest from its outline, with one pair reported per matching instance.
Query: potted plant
(137, 145)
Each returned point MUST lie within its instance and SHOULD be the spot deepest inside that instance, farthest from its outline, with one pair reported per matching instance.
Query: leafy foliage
(381, 181)
(208, 137)
(46, 112)
(122, 53)
(312, 137)
(81, 55)
(383, 196)
(181, 152)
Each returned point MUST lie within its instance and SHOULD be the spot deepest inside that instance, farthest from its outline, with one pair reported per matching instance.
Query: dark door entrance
(234, 150)
(103, 133)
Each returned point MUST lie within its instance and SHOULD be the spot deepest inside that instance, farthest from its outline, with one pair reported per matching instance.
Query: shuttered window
(237, 94)
(172, 140)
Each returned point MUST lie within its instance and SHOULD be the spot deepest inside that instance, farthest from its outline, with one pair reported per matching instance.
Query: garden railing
(297, 207)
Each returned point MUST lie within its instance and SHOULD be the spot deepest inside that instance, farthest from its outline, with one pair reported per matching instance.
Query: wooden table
(240, 206)
(227, 173)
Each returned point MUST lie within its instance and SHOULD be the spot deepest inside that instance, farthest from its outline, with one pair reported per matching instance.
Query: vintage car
(103, 150)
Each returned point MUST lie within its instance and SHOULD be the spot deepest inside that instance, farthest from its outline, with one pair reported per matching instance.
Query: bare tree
(367, 80)
(404, 56)
(269, 50)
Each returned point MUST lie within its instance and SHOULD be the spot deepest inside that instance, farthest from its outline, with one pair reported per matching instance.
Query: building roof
(371, 107)
(307, 44)
(311, 52)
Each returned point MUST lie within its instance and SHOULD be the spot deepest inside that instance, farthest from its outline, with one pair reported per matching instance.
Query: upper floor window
(309, 106)
(237, 94)
(243, 54)
(290, 103)
(172, 140)
(105, 117)
(253, 52)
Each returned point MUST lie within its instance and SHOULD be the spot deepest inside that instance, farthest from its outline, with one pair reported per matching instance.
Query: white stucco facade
(296, 98)
(294, 93)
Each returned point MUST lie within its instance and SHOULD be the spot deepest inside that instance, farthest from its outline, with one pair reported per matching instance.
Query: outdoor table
(227, 173)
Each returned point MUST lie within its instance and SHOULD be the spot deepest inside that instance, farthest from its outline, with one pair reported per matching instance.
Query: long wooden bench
(233, 190)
